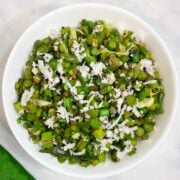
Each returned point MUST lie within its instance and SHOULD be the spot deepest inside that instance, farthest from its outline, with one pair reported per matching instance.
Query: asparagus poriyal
(89, 92)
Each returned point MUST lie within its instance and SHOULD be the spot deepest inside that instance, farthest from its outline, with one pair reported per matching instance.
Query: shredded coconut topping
(47, 57)
(84, 70)
(50, 123)
(63, 113)
(78, 50)
(48, 74)
(110, 79)
(97, 68)
(98, 28)
(26, 96)
(148, 66)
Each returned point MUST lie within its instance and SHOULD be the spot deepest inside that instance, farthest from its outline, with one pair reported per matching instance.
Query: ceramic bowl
(71, 16)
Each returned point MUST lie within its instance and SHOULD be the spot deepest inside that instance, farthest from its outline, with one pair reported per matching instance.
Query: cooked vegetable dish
(88, 93)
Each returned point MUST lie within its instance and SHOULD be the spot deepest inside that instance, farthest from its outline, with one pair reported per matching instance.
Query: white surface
(56, 19)
(162, 15)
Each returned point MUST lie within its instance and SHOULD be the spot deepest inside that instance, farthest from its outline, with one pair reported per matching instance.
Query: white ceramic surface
(40, 29)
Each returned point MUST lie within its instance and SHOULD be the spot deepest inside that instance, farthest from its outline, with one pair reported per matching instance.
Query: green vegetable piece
(134, 141)
(136, 58)
(46, 139)
(106, 104)
(81, 145)
(28, 73)
(73, 34)
(46, 136)
(51, 112)
(103, 56)
(94, 51)
(142, 75)
(20, 119)
(113, 110)
(147, 102)
(159, 108)
(18, 106)
(95, 42)
(31, 107)
(63, 48)
(90, 59)
(104, 112)
(102, 157)
(144, 93)
(89, 24)
(130, 100)
(145, 52)
(112, 45)
(65, 30)
(114, 158)
(115, 63)
(73, 160)
(94, 113)
(86, 127)
(37, 79)
(31, 117)
(82, 89)
(38, 113)
(125, 58)
(148, 127)
(84, 163)
(67, 133)
(37, 43)
(62, 158)
(90, 38)
(155, 85)
(53, 64)
(106, 89)
(76, 136)
(161, 97)
(95, 123)
(100, 36)
(139, 132)
(133, 151)
(43, 48)
(27, 83)
(99, 133)
(67, 102)
(48, 93)
(149, 118)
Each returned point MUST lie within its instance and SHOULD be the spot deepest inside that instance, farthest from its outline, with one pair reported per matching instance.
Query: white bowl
(72, 15)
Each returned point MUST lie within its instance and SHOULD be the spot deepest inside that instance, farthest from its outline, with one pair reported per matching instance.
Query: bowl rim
(156, 36)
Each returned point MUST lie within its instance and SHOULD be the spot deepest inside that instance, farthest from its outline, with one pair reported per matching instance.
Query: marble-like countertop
(162, 15)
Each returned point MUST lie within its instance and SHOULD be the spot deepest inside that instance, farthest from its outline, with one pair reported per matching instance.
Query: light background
(162, 15)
